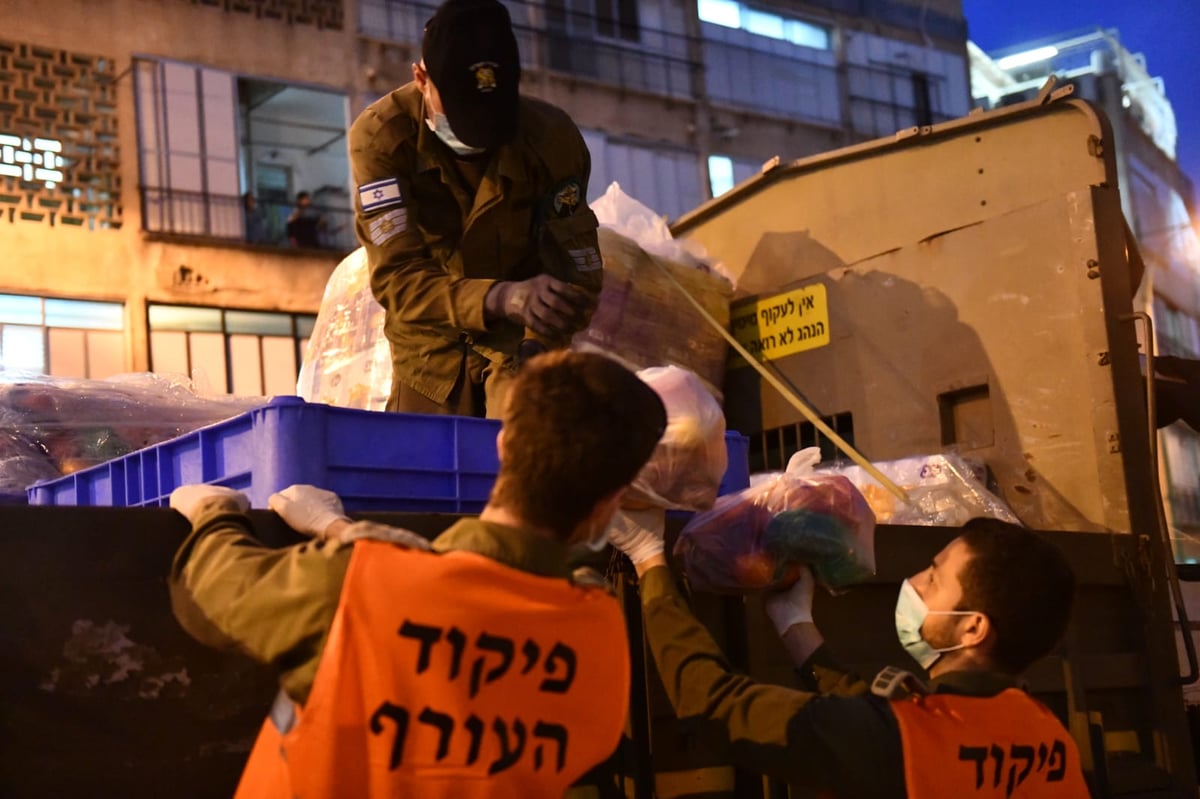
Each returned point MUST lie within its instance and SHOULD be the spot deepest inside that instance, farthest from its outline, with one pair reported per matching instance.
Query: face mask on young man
(441, 127)
(911, 612)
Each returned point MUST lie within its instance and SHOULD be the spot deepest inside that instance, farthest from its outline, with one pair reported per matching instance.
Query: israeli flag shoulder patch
(379, 194)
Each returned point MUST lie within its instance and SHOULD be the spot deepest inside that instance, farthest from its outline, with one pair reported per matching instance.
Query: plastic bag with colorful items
(642, 319)
(50, 426)
(685, 470)
(944, 490)
(348, 361)
(759, 539)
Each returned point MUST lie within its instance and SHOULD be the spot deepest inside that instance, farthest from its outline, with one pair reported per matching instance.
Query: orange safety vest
(1007, 746)
(452, 676)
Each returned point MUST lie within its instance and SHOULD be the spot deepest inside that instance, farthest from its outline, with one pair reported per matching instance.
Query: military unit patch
(379, 194)
(567, 198)
(384, 228)
(485, 75)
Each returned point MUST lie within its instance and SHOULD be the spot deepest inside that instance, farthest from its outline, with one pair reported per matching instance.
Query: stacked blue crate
(373, 461)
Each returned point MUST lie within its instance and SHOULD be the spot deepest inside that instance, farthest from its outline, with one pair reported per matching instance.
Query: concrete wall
(128, 264)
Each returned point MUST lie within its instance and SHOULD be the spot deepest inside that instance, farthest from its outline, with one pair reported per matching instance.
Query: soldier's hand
(544, 304)
(308, 509)
(190, 500)
(793, 605)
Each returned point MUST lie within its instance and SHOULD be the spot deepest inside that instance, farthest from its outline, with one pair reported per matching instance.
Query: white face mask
(441, 126)
(597, 540)
(910, 615)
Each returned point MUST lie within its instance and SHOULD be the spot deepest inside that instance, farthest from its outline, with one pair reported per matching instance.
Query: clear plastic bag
(758, 539)
(348, 361)
(617, 210)
(54, 426)
(685, 470)
(944, 490)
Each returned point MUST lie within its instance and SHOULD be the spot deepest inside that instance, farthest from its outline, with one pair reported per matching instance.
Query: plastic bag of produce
(348, 361)
(758, 539)
(51, 426)
(685, 471)
(642, 319)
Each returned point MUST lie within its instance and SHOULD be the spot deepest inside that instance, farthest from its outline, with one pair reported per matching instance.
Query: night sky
(1166, 31)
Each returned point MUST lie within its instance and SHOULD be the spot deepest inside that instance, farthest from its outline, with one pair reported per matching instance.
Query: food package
(685, 470)
(944, 490)
(758, 538)
(642, 319)
(51, 426)
(348, 361)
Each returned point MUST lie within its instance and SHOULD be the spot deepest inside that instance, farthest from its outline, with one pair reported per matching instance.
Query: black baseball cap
(470, 53)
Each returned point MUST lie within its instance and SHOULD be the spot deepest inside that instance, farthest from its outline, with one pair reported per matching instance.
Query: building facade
(1157, 198)
(132, 131)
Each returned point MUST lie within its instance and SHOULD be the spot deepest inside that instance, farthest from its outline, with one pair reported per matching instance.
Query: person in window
(255, 221)
(305, 224)
(993, 601)
(486, 667)
(471, 204)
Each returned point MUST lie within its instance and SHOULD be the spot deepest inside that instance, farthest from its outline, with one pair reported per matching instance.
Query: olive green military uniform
(435, 245)
(833, 739)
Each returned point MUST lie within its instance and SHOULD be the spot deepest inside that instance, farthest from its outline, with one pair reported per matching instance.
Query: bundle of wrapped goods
(685, 470)
(642, 320)
(50, 427)
(944, 490)
(348, 361)
(759, 539)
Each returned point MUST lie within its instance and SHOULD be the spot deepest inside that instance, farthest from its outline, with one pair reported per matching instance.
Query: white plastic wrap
(54, 426)
(945, 490)
(685, 470)
(348, 361)
(625, 215)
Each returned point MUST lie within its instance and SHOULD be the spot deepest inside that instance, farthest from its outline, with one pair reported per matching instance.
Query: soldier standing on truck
(992, 602)
(472, 209)
(484, 668)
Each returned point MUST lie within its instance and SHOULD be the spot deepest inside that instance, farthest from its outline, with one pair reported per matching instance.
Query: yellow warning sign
(784, 324)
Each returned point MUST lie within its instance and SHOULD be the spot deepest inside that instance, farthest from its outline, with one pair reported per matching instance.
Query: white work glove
(191, 499)
(307, 509)
(638, 533)
(793, 605)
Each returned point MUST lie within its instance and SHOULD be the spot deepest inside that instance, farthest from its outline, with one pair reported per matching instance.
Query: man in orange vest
(992, 602)
(482, 668)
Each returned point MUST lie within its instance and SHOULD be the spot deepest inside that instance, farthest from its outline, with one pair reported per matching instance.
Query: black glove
(544, 304)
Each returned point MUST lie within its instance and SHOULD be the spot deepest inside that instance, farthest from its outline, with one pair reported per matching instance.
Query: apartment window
(720, 174)
(617, 19)
(207, 137)
(249, 353)
(725, 172)
(732, 14)
(613, 19)
(922, 103)
(64, 338)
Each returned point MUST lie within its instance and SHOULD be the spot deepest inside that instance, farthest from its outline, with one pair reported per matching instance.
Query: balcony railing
(190, 213)
(736, 69)
(638, 59)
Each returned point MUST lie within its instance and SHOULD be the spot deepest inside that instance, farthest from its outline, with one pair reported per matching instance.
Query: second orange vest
(1007, 746)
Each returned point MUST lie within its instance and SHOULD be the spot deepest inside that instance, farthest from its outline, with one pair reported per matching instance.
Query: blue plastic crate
(373, 461)
(737, 473)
